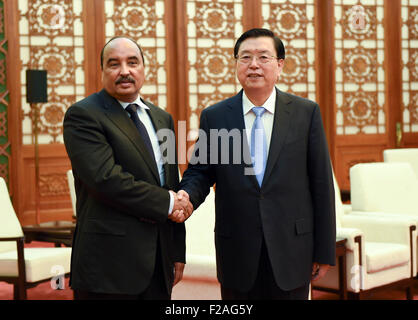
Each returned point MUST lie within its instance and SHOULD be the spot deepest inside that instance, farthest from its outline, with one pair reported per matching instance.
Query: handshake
(182, 208)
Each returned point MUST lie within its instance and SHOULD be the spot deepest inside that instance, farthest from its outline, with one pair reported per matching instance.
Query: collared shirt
(267, 117)
(146, 120)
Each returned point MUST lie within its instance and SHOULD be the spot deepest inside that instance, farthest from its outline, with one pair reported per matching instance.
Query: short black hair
(120, 37)
(260, 32)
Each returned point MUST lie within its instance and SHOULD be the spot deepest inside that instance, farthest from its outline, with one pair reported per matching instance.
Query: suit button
(261, 196)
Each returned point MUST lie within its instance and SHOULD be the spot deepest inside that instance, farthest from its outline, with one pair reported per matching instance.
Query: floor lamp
(36, 92)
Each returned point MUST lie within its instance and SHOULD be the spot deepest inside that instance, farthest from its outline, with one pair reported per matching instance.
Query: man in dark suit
(125, 245)
(275, 214)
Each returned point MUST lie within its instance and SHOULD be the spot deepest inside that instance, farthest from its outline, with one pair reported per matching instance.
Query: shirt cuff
(170, 209)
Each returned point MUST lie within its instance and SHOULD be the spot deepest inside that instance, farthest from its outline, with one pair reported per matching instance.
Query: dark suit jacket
(294, 210)
(121, 209)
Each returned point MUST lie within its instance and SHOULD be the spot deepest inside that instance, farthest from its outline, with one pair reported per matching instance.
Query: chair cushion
(382, 256)
(41, 263)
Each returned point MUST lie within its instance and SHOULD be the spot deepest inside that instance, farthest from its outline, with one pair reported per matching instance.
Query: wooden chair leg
(16, 292)
(354, 296)
(21, 288)
(19, 292)
(22, 292)
(409, 295)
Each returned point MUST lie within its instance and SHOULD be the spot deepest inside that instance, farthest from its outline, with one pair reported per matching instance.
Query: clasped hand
(183, 208)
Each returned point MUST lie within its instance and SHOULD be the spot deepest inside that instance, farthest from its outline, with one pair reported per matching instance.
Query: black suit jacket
(121, 209)
(294, 210)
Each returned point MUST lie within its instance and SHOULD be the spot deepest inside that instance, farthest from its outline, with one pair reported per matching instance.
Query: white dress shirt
(267, 117)
(146, 120)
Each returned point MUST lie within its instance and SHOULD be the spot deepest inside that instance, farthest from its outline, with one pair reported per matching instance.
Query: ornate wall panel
(144, 21)
(62, 36)
(4, 102)
(212, 28)
(294, 23)
(51, 38)
(360, 72)
(410, 65)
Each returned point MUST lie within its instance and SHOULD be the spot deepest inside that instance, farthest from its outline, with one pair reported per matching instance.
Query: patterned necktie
(131, 108)
(258, 145)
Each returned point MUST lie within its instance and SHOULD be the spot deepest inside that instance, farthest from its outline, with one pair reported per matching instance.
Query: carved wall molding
(410, 65)
(212, 28)
(294, 23)
(53, 184)
(360, 70)
(143, 21)
(51, 39)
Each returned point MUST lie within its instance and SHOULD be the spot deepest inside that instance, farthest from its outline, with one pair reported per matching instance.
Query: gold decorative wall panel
(143, 21)
(294, 23)
(51, 38)
(212, 28)
(410, 65)
(360, 73)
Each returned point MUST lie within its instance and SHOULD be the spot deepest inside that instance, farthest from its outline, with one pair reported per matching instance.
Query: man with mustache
(127, 244)
(275, 214)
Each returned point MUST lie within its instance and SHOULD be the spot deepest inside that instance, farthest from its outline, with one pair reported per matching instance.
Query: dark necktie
(131, 108)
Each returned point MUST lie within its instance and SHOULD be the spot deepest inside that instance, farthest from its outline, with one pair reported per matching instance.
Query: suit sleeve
(93, 159)
(200, 175)
(322, 190)
(179, 252)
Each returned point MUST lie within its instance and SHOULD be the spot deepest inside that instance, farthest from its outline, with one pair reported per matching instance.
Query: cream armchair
(387, 190)
(71, 187)
(26, 267)
(409, 155)
(380, 254)
(200, 253)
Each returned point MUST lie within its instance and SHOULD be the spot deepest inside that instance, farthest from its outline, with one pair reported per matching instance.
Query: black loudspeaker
(36, 86)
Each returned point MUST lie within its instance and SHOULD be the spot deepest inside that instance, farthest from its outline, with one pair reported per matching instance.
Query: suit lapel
(281, 125)
(120, 118)
(159, 123)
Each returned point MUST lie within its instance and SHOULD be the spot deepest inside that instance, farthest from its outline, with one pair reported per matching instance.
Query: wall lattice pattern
(212, 28)
(51, 38)
(294, 23)
(144, 22)
(410, 65)
(360, 73)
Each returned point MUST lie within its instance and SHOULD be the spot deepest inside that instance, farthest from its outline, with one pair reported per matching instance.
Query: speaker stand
(37, 176)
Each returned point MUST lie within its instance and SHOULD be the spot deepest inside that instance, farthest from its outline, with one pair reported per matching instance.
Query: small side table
(58, 232)
(340, 254)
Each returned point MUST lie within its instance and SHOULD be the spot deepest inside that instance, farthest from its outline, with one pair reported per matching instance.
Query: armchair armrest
(350, 234)
(347, 208)
(12, 238)
(381, 228)
(21, 265)
(393, 215)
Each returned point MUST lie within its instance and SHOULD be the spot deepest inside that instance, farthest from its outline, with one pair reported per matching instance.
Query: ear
(280, 64)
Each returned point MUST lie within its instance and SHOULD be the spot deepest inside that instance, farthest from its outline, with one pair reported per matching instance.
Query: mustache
(125, 79)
